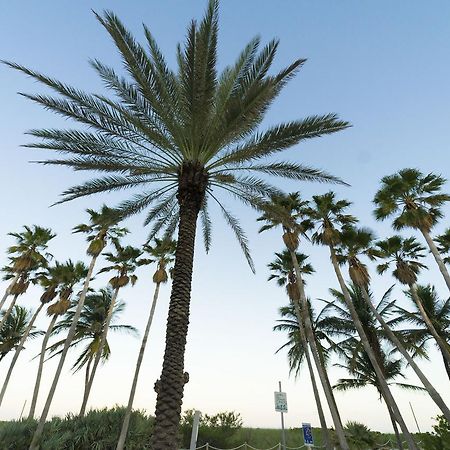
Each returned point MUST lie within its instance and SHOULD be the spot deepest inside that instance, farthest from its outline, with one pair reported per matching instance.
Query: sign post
(307, 435)
(195, 426)
(281, 407)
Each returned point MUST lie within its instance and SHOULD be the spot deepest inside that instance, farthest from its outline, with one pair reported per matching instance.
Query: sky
(383, 66)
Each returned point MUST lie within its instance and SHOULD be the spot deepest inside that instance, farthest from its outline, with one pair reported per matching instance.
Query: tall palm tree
(283, 272)
(329, 217)
(287, 211)
(438, 312)
(404, 255)
(415, 199)
(162, 253)
(357, 242)
(102, 227)
(179, 136)
(60, 279)
(124, 263)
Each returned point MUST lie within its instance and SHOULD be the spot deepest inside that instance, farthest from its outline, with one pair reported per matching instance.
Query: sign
(281, 402)
(307, 434)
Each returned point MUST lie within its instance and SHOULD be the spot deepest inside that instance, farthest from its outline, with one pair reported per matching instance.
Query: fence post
(207, 446)
(245, 446)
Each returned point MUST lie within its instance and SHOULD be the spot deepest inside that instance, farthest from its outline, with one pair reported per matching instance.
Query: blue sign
(307, 434)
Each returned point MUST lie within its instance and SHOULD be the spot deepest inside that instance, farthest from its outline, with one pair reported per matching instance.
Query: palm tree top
(413, 197)
(443, 241)
(282, 267)
(174, 134)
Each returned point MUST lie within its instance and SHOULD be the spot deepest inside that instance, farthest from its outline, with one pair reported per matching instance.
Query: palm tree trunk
(126, 420)
(392, 336)
(320, 368)
(384, 388)
(86, 376)
(98, 355)
(170, 386)
(395, 428)
(18, 350)
(437, 257)
(70, 335)
(8, 311)
(8, 290)
(40, 367)
(441, 342)
(447, 368)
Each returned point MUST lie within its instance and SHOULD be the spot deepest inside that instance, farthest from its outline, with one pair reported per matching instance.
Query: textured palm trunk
(8, 311)
(126, 420)
(384, 388)
(98, 355)
(315, 352)
(70, 335)
(395, 428)
(37, 383)
(18, 350)
(171, 384)
(401, 348)
(437, 257)
(8, 290)
(445, 349)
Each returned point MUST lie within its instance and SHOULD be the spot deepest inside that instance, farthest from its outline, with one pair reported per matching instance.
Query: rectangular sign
(307, 434)
(281, 402)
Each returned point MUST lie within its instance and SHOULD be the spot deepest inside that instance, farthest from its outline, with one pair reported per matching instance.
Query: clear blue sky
(381, 65)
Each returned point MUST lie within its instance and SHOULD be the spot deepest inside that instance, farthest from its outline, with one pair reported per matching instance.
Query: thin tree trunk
(8, 311)
(40, 367)
(437, 257)
(170, 386)
(320, 369)
(447, 369)
(18, 350)
(98, 355)
(391, 335)
(86, 376)
(126, 420)
(387, 395)
(441, 342)
(40, 428)
(395, 428)
(8, 290)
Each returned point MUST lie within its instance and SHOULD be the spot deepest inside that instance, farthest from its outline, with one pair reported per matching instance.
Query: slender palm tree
(415, 199)
(404, 255)
(437, 310)
(287, 211)
(61, 279)
(443, 241)
(101, 228)
(162, 253)
(357, 242)
(124, 263)
(283, 272)
(329, 217)
(180, 136)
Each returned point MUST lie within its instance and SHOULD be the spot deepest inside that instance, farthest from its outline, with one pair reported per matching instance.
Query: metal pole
(194, 434)
(283, 435)
(415, 419)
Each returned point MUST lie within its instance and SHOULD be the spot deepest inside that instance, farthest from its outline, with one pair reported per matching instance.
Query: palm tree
(438, 312)
(101, 228)
(329, 217)
(60, 279)
(416, 200)
(283, 272)
(179, 136)
(357, 242)
(443, 241)
(404, 255)
(13, 330)
(287, 211)
(162, 253)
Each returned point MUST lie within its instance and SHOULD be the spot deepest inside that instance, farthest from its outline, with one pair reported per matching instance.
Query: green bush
(439, 439)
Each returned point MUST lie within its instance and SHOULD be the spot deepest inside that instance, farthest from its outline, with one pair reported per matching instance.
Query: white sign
(281, 402)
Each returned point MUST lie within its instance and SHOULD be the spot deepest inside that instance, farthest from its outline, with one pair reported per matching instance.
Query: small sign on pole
(307, 434)
(281, 402)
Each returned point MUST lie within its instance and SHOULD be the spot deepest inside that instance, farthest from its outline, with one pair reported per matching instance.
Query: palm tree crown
(443, 241)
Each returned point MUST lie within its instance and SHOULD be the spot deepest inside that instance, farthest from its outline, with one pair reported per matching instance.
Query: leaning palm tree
(62, 279)
(438, 312)
(287, 211)
(162, 253)
(404, 255)
(179, 136)
(283, 272)
(101, 228)
(358, 242)
(443, 241)
(415, 200)
(330, 217)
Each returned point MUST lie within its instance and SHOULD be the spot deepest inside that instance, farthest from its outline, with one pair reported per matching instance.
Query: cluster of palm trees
(364, 332)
